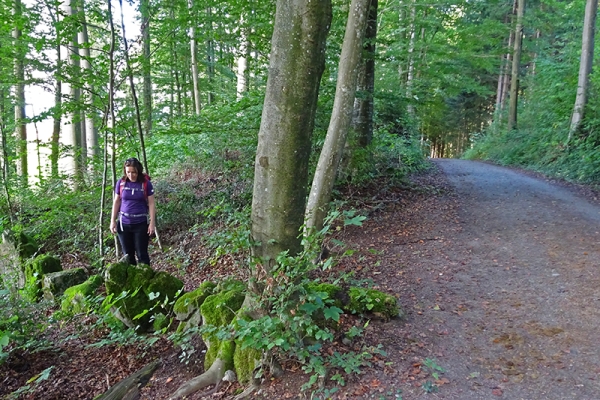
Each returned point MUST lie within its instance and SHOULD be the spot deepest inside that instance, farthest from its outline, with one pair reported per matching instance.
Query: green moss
(245, 361)
(186, 303)
(364, 301)
(332, 291)
(160, 321)
(116, 276)
(139, 275)
(42, 265)
(166, 284)
(359, 300)
(219, 310)
(145, 290)
(35, 271)
(226, 352)
(26, 246)
(75, 298)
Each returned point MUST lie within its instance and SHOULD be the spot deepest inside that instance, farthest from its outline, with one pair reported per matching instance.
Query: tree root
(213, 376)
(249, 390)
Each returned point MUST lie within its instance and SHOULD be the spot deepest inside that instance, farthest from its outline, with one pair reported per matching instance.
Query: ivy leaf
(332, 313)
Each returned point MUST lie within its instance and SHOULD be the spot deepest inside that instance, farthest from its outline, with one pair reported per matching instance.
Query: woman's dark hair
(134, 162)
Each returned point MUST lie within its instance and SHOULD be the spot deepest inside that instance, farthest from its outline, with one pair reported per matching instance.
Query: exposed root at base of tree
(213, 376)
(246, 392)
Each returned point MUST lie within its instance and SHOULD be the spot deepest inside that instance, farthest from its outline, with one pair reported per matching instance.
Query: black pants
(134, 242)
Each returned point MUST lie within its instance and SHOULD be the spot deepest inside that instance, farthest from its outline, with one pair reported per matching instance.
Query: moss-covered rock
(75, 298)
(148, 293)
(356, 300)
(54, 284)
(189, 302)
(35, 271)
(365, 301)
(26, 246)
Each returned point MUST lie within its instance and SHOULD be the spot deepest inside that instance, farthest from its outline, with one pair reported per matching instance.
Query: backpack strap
(144, 185)
(121, 186)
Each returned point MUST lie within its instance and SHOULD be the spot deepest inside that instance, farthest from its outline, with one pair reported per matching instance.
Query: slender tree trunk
(210, 56)
(20, 115)
(110, 133)
(363, 104)
(296, 64)
(57, 112)
(74, 139)
(514, 82)
(146, 66)
(341, 117)
(585, 66)
(503, 79)
(89, 137)
(411, 60)
(242, 61)
(194, 59)
(4, 158)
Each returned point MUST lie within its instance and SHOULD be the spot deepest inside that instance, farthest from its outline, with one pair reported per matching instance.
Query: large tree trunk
(20, 115)
(341, 117)
(514, 82)
(585, 65)
(297, 62)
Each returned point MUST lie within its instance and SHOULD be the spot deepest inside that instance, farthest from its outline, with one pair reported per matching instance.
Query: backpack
(144, 185)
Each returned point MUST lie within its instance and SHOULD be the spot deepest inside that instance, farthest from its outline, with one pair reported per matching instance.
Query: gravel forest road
(518, 313)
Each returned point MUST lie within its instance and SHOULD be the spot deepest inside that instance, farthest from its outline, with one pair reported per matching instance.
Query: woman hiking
(133, 215)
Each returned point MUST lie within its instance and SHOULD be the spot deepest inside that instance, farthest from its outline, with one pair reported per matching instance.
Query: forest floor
(496, 271)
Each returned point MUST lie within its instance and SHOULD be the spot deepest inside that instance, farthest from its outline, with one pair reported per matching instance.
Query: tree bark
(89, 136)
(146, 65)
(20, 115)
(362, 124)
(57, 112)
(297, 62)
(516, 64)
(242, 61)
(331, 154)
(194, 61)
(585, 66)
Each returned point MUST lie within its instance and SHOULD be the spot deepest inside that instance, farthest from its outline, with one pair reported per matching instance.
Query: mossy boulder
(54, 284)
(357, 300)
(366, 301)
(218, 310)
(149, 293)
(26, 246)
(36, 269)
(75, 298)
(187, 306)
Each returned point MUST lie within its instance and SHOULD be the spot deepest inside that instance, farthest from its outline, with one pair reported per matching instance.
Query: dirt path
(507, 296)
